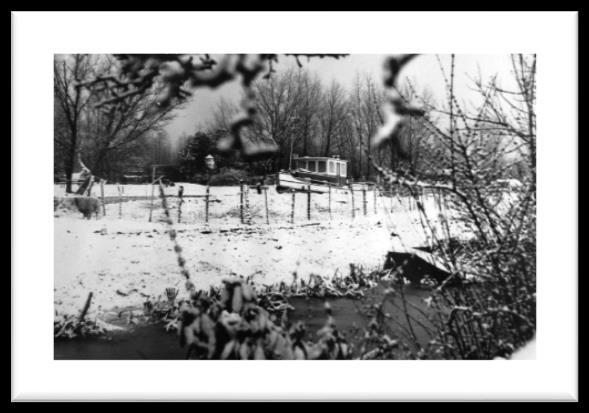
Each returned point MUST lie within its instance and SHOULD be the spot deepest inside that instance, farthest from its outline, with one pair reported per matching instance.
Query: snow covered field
(124, 260)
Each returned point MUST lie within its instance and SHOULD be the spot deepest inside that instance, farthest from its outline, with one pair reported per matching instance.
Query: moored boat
(316, 174)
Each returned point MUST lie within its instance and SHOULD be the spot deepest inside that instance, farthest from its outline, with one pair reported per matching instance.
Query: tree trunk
(306, 138)
(68, 177)
(367, 162)
(327, 143)
(70, 161)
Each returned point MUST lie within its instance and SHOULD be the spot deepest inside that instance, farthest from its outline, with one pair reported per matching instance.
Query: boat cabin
(321, 168)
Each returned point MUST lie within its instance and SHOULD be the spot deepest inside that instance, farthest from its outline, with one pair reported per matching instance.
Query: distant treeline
(298, 111)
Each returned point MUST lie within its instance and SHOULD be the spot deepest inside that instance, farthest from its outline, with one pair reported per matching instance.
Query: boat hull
(286, 182)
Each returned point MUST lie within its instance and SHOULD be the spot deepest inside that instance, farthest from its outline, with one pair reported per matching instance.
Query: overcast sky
(424, 71)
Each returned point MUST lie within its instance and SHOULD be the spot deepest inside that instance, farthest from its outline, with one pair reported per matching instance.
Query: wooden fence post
(375, 199)
(292, 207)
(86, 307)
(180, 202)
(329, 202)
(266, 204)
(241, 201)
(89, 189)
(207, 204)
(353, 203)
(308, 202)
(248, 215)
(102, 197)
(411, 200)
(364, 202)
(120, 201)
(152, 192)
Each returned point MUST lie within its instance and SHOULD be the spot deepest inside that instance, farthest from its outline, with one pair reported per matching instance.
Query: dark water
(152, 342)
(351, 315)
(146, 342)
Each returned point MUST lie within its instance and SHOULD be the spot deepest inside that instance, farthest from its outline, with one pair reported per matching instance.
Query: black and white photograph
(303, 208)
(252, 208)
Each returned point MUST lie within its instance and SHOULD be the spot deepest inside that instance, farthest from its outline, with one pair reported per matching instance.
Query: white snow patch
(124, 261)
(527, 352)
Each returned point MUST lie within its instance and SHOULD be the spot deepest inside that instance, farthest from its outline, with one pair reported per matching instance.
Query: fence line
(317, 207)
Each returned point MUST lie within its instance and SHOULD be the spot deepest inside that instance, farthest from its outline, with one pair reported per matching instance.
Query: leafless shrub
(498, 315)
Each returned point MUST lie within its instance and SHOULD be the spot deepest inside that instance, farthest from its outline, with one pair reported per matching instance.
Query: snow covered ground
(124, 259)
(527, 352)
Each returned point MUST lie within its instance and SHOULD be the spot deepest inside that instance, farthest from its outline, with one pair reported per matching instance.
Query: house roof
(319, 158)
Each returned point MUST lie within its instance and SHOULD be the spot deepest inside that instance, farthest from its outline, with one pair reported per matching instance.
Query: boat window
(312, 167)
(343, 169)
(331, 168)
(321, 166)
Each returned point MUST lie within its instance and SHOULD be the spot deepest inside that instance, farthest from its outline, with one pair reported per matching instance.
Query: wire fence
(258, 204)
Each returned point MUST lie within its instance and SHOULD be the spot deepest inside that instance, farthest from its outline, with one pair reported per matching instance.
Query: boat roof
(319, 158)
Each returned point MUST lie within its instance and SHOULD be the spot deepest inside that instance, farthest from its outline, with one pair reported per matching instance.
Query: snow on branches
(174, 76)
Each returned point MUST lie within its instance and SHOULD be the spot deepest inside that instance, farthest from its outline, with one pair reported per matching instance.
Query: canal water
(352, 316)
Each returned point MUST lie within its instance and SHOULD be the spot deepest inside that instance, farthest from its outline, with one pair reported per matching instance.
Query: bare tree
(70, 103)
(178, 74)
(332, 115)
(476, 146)
(365, 112)
(308, 110)
(279, 100)
(511, 113)
(111, 128)
(225, 111)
